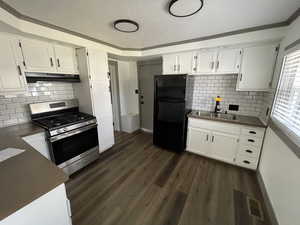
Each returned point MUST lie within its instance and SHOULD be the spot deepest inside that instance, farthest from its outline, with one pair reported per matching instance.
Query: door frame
(115, 94)
(140, 64)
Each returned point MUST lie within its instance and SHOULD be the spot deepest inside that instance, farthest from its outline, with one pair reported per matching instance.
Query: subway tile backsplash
(14, 109)
(201, 91)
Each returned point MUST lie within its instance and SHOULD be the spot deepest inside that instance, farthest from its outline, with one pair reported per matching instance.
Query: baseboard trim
(147, 130)
(268, 204)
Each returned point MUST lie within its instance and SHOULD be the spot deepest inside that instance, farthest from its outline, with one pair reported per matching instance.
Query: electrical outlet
(233, 107)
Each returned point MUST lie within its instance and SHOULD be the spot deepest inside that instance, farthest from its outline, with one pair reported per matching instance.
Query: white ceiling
(94, 18)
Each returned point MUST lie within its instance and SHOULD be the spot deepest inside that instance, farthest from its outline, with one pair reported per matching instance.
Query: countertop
(27, 176)
(239, 119)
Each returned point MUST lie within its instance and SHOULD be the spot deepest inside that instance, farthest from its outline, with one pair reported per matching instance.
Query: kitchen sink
(222, 116)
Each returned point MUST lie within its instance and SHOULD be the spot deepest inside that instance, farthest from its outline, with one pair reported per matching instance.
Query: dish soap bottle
(218, 99)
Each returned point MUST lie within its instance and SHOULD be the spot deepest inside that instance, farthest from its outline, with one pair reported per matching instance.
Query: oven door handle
(72, 133)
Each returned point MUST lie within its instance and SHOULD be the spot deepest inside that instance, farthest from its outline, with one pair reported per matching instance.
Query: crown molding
(21, 16)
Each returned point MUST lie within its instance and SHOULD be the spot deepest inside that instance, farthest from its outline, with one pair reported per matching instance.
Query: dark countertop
(27, 176)
(228, 118)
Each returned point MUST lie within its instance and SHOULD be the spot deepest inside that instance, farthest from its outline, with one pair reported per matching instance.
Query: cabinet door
(65, 59)
(228, 61)
(198, 141)
(38, 56)
(224, 146)
(257, 68)
(206, 61)
(101, 98)
(170, 64)
(185, 62)
(12, 78)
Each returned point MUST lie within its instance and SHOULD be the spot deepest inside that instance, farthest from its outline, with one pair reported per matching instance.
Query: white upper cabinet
(65, 59)
(38, 56)
(185, 62)
(257, 68)
(12, 78)
(44, 57)
(177, 63)
(206, 60)
(228, 61)
(170, 63)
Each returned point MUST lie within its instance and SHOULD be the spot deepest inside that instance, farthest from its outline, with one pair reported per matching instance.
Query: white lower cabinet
(235, 144)
(52, 208)
(224, 146)
(198, 141)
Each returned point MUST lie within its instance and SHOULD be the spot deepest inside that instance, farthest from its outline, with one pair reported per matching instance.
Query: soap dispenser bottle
(218, 99)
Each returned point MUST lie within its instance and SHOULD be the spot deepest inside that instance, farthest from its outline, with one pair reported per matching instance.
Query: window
(286, 108)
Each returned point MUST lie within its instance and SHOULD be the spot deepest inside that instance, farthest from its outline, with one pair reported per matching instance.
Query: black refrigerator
(169, 119)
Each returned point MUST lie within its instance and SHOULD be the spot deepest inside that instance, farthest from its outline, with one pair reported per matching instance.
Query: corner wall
(279, 166)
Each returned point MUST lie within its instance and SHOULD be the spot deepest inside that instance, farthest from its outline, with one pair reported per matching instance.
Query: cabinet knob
(246, 161)
(51, 62)
(252, 132)
(249, 151)
(251, 140)
(58, 63)
(241, 77)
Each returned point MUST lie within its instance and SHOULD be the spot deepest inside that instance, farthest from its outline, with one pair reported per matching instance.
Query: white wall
(128, 83)
(279, 166)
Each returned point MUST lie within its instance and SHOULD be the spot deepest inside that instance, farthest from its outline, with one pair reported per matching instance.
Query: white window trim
(288, 132)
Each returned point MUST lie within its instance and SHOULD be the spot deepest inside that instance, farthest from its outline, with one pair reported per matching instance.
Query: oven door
(71, 146)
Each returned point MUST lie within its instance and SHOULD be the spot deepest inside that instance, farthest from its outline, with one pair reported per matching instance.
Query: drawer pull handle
(251, 140)
(252, 132)
(246, 161)
(249, 151)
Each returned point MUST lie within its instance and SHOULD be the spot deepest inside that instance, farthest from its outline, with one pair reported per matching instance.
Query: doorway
(146, 72)
(115, 96)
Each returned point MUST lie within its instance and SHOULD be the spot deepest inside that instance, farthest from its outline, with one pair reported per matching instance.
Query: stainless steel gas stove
(72, 135)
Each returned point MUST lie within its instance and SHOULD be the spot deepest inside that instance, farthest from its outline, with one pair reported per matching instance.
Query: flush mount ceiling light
(127, 26)
(184, 8)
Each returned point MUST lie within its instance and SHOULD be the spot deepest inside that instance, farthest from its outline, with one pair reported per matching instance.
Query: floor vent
(255, 208)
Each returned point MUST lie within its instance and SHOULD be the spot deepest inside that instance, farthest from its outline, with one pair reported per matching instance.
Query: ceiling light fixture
(127, 26)
(184, 8)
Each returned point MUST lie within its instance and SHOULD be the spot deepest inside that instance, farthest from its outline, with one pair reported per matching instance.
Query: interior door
(146, 72)
(224, 146)
(101, 98)
(113, 70)
(206, 61)
(12, 78)
(38, 56)
(198, 141)
(228, 61)
(65, 59)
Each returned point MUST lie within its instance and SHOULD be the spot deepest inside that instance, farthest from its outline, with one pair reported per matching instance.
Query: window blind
(286, 108)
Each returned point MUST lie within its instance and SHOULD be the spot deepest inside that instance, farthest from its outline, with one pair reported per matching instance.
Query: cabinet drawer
(249, 151)
(214, 126)
(247, 162)
(251, 141)
(253, 131)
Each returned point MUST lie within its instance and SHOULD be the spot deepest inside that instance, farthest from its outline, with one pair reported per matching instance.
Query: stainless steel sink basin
(222, 116)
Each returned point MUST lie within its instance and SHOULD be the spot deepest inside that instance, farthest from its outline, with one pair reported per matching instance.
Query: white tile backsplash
(201, 91)
(14, 110)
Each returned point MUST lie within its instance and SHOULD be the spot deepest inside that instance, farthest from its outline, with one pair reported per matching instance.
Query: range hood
(34, 77)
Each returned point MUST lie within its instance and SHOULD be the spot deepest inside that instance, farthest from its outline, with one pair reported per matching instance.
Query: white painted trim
(147, 130)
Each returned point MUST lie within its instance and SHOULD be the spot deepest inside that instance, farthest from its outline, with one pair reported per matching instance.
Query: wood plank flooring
(136, 183)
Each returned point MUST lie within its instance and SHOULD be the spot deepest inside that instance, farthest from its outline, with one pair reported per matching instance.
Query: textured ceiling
(94, 18)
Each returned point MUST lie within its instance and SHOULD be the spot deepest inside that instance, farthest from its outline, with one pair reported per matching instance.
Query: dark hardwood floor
(136, 183)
